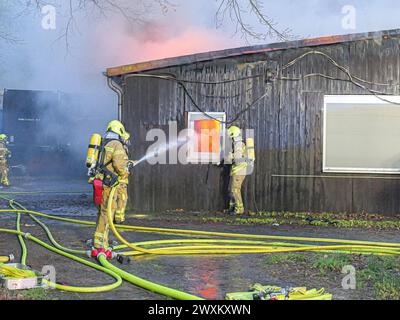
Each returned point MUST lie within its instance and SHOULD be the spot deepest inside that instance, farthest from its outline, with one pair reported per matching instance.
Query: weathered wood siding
(288, 128)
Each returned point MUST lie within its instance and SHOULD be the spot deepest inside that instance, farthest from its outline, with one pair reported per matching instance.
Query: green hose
(62, 251)
(197, 246)
(151, 286)
(185, 232)
(108, 267)
(24, 251)
(104, 288)
(43, 192)
(44, 227)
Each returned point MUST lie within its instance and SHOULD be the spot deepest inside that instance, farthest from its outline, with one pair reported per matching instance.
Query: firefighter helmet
(118, 128)
(3, 137)
(234, 131)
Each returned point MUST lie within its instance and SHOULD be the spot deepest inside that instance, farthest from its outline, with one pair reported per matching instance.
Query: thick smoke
(72, 65)
(38, 59)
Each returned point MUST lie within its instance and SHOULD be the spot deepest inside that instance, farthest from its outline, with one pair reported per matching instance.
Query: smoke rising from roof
(40, 59)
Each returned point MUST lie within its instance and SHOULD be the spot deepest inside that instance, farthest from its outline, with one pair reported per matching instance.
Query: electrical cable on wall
(191, 98)
(355, 80)
(351, 78)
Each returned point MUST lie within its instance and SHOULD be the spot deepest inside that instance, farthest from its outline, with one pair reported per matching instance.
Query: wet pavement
(207, 276)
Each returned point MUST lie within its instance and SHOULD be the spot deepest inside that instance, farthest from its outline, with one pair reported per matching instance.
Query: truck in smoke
(46, 131)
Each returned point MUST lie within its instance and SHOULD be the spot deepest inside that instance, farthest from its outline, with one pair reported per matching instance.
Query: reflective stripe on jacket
(239, 158)
(116, 154)
(4, 152)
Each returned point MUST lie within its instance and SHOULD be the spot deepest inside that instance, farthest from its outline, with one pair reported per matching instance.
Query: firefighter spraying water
(109, 166)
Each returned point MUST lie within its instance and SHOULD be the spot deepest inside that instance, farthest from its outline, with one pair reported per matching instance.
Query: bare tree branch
(133, 12)
(136, 12)
(6, 35)
(237, 10)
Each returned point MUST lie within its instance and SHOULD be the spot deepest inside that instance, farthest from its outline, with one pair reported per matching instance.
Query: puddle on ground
(210, 277)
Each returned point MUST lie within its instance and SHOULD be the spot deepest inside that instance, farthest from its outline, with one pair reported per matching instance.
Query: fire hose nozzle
(132, 163)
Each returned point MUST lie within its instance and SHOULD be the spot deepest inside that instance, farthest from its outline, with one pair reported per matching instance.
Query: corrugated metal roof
(207, 56)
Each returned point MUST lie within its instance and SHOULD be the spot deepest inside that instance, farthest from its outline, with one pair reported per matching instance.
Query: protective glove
(221, 163)
(131, 164)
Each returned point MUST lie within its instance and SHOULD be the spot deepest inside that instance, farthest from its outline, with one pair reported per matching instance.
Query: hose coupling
(11, 257)
(110, 255)
(123, 259)
(97, 252)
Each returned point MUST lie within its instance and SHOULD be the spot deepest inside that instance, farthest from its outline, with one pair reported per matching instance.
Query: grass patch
(253, 221)
(339, 220)
(283, 258)
(331, 262)
(35, 294)
(213, 219)
(388, 288)
(383, 275)
(377, 277)
(31, 294)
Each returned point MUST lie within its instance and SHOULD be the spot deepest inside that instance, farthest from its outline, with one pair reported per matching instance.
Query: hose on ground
(12, 203)
(103, 288)
(182, 232)
(4, 259)
(24, 251)
(188, 250)
(148, 285)
(62, 251)
(197, 246)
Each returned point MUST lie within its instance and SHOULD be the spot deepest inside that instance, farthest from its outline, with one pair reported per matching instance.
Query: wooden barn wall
(288, 132)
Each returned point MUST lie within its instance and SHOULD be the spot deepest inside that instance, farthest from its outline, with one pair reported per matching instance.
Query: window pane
(362, 134)
(207, 137)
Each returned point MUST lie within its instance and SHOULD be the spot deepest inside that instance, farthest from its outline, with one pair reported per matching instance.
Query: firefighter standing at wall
(242, 159)
(4, 154)
(114, 171)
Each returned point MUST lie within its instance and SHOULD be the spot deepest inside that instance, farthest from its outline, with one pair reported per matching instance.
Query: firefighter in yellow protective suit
(115, 165)
(122, 195)
(4, 154)
(241, 166)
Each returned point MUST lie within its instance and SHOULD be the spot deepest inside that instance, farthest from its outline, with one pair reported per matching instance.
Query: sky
(40, 59)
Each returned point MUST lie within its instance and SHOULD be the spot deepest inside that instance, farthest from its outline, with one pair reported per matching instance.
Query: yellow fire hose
(5, 259)
(216, 249)
(260, 292)
(195, 246)
(18, 273)
(392, 248)
(13, 272)
(210, 242)
(108, 267)
(109, 287)
(182, 232)
(351, 246)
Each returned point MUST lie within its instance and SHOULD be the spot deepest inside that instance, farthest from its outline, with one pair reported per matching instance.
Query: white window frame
(359, 99)
(197, 157)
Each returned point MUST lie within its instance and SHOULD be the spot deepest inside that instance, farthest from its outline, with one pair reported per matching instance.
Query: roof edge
(228, 53)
